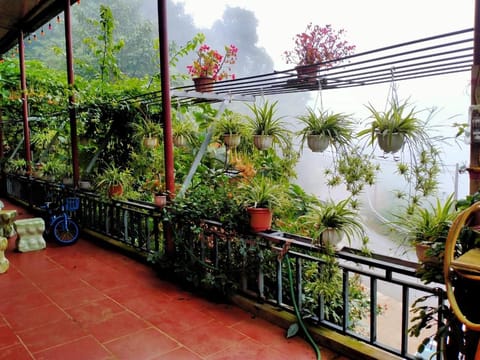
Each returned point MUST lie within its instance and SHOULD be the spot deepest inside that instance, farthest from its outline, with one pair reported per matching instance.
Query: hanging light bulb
(29, 40)
(34, 37)
(58, 19)
(42, 33)
(49, 26)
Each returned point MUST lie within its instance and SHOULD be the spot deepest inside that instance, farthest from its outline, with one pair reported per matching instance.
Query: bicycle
(61, 226)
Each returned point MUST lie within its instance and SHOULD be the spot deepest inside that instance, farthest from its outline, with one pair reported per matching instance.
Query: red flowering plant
(154, 185)
(319, 44)
(210, 63)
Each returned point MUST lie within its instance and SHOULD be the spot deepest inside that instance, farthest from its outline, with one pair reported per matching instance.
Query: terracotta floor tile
(246, 349)
(33, 262)
(15, 352)
(34, 317)
(94, 312)
(175, 319)
(227, 314)
(15, 285)
(70, 298)
(261, 331)
(179, 354)
(81, 349)
(144, 344)
(54, 279)
(210, 339)
(24, 301)
(300, 348)
(51, 334)
(118, 325)
(105, 279)
(143, 306)
(7, 337)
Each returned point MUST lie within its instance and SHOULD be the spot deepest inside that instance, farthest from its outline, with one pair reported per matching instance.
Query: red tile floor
(87, 301)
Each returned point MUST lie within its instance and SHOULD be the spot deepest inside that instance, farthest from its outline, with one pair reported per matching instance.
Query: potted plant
(266, 126)
(260, 195)
(330, 221)
(114, 180)
(322, 128)
(53, 168)
(453, 339)
(211, 66)
(427, 228)
(231, 127)
(155, 186)
(315, 47)
(147, 131)
(394, 126)
(184, 129)
(17, 166)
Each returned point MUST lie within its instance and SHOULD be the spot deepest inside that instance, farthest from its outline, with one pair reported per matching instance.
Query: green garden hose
(297, 311)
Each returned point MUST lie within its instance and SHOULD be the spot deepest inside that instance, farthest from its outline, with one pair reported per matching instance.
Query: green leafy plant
(231, 123)
(261, 192)
(113, 175)
(399, 118)
(265, 121)
(335, 215)
(337, 127)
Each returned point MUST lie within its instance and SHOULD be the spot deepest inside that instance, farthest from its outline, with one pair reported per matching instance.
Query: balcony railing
(376, 291)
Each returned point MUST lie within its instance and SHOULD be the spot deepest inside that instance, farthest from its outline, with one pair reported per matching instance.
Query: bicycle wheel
(65, 231)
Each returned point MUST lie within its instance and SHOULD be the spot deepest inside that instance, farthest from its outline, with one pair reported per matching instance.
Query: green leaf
(292, 330)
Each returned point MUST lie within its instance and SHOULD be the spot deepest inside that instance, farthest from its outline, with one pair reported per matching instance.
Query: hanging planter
(263, 142)
(317, 143)
(231, 141)
(150, 142)
(331, 237)
(307, 73)
(180, 140)
(390, 142)
(204, 84)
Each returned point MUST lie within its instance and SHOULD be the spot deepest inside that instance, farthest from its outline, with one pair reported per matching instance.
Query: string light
(29, 40)
(42, 33)
(34, 37)
(49, 26)
(58, 19)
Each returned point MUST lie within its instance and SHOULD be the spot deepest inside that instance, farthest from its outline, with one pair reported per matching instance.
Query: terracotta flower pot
(307, 72)
(204, 84)
(115, 190)
(160, 200)
(260, 219)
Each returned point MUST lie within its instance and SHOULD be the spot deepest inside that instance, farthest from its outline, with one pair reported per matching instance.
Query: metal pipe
(23, 85)
(474, 147)
(71, 96)
(166, 113)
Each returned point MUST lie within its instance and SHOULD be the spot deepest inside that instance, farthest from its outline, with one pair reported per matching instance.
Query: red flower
(210, 63)
(318, 45)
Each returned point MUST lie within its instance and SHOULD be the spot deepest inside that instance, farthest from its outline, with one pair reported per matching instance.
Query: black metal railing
(255, 263)
(137, 225)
